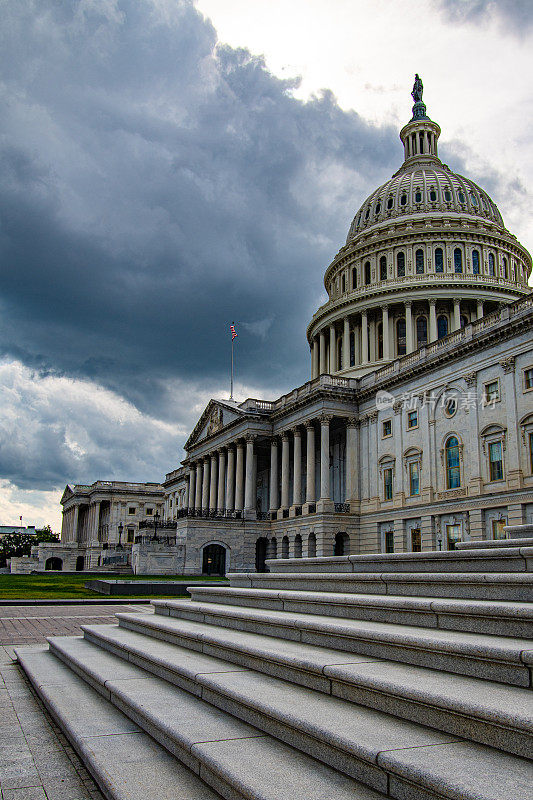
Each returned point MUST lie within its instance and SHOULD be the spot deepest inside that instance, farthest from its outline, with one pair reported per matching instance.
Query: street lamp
(156, 520)
(439, 539)
(120, 529)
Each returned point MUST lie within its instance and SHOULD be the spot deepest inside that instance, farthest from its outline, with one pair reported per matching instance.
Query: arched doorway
(214, 560)
(342, 544)
(311, 546)
(285, 547)
(260, 554)
(80, 563)
(53, 563)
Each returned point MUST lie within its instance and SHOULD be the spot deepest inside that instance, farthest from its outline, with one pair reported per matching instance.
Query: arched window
(403, 200)
(352, 349)
(458, 259)
(461, 197)
(273, 549)
(311, 545)
(367, 273)
(421, 331)
(285, 547)
(439, 260)
(448, 196)
(418, 196)
(453, 463)
(400, 264)
(419, 262)
(505, 269)
(491, 264)
(390, 202)
(343, 283)
(367, 213)
(475, 262)
(433, 195)
(473, 199)
(380, 341)
(383, 268)
(297, 546)
(464, 321)
(354, 278)
(442, 327)
(378, 208)
(400, 337)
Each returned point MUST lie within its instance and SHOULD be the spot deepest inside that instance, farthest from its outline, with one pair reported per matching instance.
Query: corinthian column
(346, 344)
(364, 337)
(285, 471)
(239, 478)
(297, 468)
(386, 336)
(205, 485)
(249, 500)
(456, 314)
(213, 483)
(432, 320)
(310, 492)
(198, 489)
(332, 350)
(221, 479)
(274, 494)
(351, 460)
(322, 346)
(192, 487)
(230, 480)
(409, 326)
(325, 500)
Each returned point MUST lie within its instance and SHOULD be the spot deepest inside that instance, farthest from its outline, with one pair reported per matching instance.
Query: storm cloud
(514, 15)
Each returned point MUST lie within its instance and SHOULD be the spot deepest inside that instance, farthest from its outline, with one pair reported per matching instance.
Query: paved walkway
(36, 760)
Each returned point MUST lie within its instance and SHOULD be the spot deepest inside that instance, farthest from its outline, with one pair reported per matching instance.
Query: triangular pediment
(68, 493)
(216, 416)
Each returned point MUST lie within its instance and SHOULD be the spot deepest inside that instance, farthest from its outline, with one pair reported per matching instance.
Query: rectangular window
(387, 428)
(414, 479)
(131, 535)
(497, 528)
(412, 419)
(528, 379)
(492, 392)
(389, 541)
(131, 510)
(496, 461)
(149, 511)
(453, 535)
(416, 540)
(387, 483)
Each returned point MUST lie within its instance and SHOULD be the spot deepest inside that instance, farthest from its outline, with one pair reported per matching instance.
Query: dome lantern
(420, 135)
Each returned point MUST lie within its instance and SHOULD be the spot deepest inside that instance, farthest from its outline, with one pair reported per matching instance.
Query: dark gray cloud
(514, 15)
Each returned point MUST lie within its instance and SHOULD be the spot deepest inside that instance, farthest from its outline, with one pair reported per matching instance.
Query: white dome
(424, 189)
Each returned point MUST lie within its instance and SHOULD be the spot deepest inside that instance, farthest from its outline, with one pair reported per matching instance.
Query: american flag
(233, 332)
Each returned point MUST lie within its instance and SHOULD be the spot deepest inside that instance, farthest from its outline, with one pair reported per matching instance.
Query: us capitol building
(415, 430)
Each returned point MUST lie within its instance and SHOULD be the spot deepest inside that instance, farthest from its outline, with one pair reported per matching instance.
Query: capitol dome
(426, 255)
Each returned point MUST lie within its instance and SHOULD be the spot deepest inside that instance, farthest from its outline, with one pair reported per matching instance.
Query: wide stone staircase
(402, 676)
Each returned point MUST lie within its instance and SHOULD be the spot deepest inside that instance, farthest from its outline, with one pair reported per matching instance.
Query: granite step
(501, 559)
(513, 587)
(207, 753)
(478, 616)
(496, 658)
(125, 762)
(394, 757)
(486, 712)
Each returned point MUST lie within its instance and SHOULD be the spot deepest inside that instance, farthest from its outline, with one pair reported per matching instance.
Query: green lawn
(71, 585)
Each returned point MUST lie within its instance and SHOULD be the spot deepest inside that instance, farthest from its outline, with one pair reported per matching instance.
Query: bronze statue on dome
(418, 89)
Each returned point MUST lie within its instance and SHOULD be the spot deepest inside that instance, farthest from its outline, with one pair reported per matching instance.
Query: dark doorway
(342, 544)
(53, 563)
(80, 563)
(214, 560)
(260, 554)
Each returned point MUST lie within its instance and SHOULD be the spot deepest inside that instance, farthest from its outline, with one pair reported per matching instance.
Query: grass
(58, 586)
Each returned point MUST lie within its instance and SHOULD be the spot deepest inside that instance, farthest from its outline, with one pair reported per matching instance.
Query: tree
(15, 544)
(45, 534)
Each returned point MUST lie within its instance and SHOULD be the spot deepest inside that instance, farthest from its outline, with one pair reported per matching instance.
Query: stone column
(96, 521)
(310, 491)
(230, 480)
(432, 320)
(346, 344)
(315, 366)
(75, 523)
(205, 485)
(479, 309)
(511, 455)
(239, 478)
(386, 337)
(186, 496)
(322, 346)
(325, 500)
(249, 492)
(456, 323)
(221, 480)
(297, 468)
(409, 345)
(364, 337)
(274, 494)
(284, 471)
(351, 460)
(198, 489)
(192, 487)
(213, 483)
(332, 350)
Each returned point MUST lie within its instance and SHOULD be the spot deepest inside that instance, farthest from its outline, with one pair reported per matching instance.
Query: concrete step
(486, 712)
(494, 543)
(512, 587)
(391, 756)
(478, 616)
(125, 762)
(495, 658)
(238, 760)
(502, 559)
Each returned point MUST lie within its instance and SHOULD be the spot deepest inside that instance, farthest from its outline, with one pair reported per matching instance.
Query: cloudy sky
(167, 167)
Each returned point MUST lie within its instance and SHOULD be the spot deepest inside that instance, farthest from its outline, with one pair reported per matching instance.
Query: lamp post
(120, 529)
(156, 520)
(439, 539)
